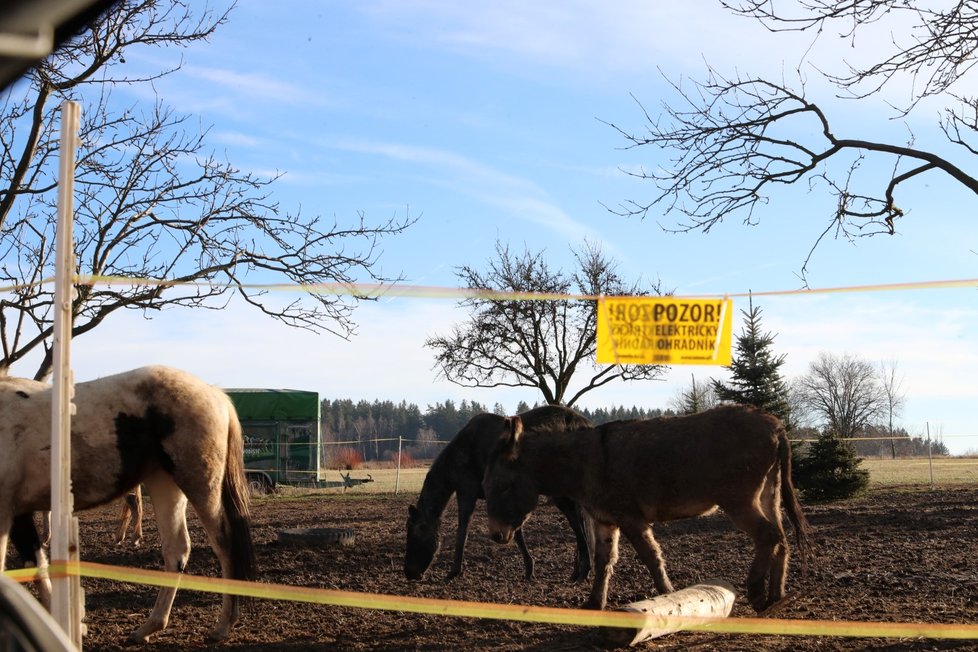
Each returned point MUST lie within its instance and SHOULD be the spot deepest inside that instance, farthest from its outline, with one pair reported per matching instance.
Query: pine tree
(830, 471)
(755, 368)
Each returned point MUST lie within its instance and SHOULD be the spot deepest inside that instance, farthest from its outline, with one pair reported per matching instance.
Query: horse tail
(789, 498)
(236, 503)
(26, 540)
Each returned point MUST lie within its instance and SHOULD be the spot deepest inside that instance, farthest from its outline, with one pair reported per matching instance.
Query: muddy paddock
(894, 555)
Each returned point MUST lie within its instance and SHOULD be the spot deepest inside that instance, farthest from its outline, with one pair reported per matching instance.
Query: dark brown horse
(629, 474)
(458, 470)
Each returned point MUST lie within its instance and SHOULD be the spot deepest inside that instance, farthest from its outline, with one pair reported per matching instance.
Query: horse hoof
(760, 605)
(577, 576)
(137, 639)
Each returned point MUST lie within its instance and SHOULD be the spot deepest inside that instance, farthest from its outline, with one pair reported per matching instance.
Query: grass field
(918, 471)
(883, 473)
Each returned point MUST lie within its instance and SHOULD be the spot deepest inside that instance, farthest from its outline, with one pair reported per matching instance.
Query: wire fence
(403, 473)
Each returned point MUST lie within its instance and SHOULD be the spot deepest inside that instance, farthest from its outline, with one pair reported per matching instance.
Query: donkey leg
(770, 503)
(769, 545)
(525, 552)
(577, 521)
(170, 505)
(778, 569)
(605, 556)
(641, 538)
(466, 505)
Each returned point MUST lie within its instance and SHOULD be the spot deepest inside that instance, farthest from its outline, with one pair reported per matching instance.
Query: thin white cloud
(235, 138)
(589, 37)
(518, 197)
(255, 86)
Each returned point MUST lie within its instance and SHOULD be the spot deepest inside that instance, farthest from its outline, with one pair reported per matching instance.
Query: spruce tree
(830, 471)
(756, 377)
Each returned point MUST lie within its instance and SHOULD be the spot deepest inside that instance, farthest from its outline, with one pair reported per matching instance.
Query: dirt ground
(895, 555)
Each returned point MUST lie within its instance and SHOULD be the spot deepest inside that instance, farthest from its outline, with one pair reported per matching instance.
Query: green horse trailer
(282, 439)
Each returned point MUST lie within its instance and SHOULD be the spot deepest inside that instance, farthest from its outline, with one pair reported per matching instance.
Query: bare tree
(843, 391)
(894, 397)
(695, 397)
(737, 138)
(540, 343)
(180, 226)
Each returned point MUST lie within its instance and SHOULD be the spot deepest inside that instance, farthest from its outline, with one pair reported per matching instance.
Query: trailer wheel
(318, 536)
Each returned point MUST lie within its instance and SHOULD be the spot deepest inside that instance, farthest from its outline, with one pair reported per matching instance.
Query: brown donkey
(629, 474)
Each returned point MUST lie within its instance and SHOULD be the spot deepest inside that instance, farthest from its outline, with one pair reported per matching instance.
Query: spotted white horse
(165, 428)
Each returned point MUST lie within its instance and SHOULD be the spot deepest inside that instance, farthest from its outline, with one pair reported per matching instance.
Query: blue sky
(488, 122)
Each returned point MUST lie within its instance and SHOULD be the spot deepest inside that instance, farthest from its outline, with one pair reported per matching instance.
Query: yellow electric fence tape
(664, 330)
(524, 613)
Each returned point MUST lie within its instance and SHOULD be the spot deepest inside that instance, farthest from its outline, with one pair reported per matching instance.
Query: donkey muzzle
(500, 532)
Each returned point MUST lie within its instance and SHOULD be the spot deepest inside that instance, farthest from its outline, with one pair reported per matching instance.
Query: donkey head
(423, 541)
(510, 491)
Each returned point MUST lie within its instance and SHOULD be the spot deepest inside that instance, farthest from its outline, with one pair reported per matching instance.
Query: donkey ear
(511, 437)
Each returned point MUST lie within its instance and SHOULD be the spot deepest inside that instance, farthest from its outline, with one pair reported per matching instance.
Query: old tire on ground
(318, 536)
(259, 483)
(256, 487)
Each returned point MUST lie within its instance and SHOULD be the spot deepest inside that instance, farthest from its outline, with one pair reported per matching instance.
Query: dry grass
(920, 471)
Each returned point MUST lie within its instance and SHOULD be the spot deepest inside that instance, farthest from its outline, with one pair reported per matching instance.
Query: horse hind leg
(124, 517)
(229, 534)
(137, 507)
(170, 506)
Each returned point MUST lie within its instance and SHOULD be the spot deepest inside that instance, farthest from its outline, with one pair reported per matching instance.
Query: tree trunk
(664, 614)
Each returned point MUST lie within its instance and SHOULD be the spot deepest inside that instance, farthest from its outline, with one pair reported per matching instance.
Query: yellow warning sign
(664, 330)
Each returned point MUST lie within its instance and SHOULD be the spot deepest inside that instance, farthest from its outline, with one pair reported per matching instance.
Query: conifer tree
(830, 471)
(755, 368)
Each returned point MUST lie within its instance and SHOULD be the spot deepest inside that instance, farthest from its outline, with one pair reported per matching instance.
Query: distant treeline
(373, 428)
(879, 444)
(364, 425)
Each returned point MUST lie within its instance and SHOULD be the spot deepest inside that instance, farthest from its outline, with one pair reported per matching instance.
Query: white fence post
(66, 589)
(397, 476)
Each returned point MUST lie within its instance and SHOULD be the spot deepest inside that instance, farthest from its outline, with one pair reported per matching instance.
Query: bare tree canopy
(152, 203)
(735, 139)
(937, 51)
(695, 397)
(844, 392)
(892, 386)
(540, 344)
